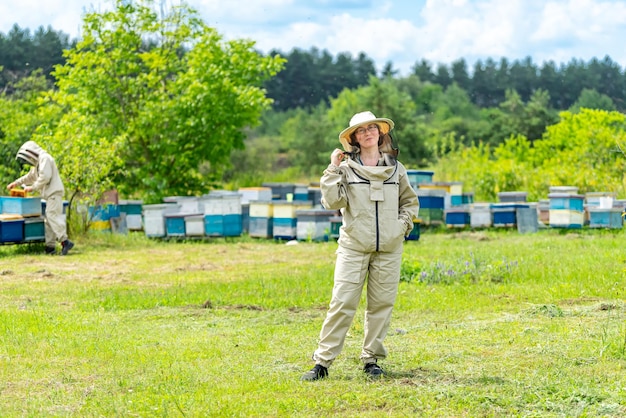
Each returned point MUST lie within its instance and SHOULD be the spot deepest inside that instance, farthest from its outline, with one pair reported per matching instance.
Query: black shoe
(50, 250)
(316, 373)
(67, 246)
(373, 370)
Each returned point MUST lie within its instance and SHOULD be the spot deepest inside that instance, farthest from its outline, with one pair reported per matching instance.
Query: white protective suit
(44, 178)
(378, 206)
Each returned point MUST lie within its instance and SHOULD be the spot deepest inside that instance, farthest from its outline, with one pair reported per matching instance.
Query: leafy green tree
(591, 99)
(164, 93)
(582, 150)
(454, 113)
(537, 115)
(20, 117)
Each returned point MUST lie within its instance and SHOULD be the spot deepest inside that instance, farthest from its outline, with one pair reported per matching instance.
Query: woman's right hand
(336, 157)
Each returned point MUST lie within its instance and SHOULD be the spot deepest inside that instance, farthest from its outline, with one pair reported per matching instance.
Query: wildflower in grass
(467, 271)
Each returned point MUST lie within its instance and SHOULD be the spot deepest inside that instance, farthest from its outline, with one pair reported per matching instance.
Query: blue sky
(400, 31)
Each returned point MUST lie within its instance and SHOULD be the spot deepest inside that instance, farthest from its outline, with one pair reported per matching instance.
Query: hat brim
(384, 125)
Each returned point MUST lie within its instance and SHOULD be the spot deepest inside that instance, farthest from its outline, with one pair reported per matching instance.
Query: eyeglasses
(371, 128)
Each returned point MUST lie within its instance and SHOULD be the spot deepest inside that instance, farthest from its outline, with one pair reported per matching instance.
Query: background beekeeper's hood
(363, 119)
(29, 152)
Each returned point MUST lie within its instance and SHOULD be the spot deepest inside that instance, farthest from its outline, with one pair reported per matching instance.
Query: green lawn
(486, 324)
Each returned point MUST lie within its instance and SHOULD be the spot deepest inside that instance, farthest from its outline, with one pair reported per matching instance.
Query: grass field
(487, 324)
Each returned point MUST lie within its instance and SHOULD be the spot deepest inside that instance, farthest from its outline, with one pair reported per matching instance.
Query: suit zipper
(377, 229)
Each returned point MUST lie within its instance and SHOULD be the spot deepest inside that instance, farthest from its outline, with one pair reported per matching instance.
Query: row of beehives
(264, 212)
(564, 208)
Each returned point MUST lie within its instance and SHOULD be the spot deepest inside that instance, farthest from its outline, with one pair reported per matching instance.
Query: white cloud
(401, 31)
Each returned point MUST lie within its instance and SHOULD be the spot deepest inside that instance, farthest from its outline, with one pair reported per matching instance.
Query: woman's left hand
(336, 157)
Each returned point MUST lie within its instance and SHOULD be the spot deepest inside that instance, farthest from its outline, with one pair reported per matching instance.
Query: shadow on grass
(422, 376)
(28, 248)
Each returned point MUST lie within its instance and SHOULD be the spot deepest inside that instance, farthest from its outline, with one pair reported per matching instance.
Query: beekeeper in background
(43, 177)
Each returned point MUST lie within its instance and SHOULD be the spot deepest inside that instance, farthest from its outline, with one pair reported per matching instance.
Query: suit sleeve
(333, 188)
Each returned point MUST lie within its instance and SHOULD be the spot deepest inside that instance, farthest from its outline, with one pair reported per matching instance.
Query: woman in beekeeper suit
(44, 178)
(378, 205)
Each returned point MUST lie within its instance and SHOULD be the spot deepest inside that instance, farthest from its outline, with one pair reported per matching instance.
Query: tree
(591, 99)
(423, 70)
(22, 53)
(165, 94)
(460, 75)
(388, 70)
(20, 117)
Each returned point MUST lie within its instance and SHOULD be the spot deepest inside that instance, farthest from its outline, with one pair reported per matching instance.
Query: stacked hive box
(314, 224)
(281, 191)
(261, 219)
(504, 213)
(417, 177)
(600, 211)
(154, 218)
(450, 188)
(251, 194)
(175, 221)
(14, 211)
(222, 213)
(458, 216)
(285, 222)
(566, 210)
(432, 203)
(131, 209)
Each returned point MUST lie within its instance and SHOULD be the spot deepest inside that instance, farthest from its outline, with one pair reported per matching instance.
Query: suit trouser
(56, 229)
(382, 271)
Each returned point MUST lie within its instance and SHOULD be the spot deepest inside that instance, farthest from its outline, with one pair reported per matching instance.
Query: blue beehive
(214, 225)
(566, 210)
(416, 177)
(11, 230)
(301, 192)
(233, 225)
(504, 214)
(457, 217)
(462, 199)
(104, 212)
(24, 206)
(605, 218)
(175, 224)
(566, 201)
(34, 229)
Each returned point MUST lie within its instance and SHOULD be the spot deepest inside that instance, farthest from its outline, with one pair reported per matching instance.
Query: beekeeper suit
(44, 178)
(378, 206)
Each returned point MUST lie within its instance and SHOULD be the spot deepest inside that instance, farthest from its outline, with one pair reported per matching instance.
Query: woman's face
(367, 136)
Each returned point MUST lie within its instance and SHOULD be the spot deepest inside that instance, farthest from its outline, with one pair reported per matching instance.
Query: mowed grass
(486, 324)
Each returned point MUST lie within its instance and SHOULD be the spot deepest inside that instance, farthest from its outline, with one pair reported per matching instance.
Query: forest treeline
(314, 76)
